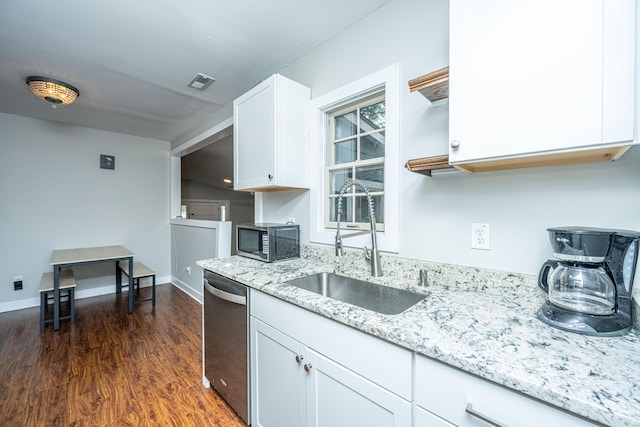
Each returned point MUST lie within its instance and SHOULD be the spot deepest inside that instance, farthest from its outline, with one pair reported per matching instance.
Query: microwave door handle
(236, 299)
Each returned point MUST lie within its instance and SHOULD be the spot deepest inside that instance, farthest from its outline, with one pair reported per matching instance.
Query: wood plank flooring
(111, 368)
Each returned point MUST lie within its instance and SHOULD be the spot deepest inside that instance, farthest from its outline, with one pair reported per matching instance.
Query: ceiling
(132, 60)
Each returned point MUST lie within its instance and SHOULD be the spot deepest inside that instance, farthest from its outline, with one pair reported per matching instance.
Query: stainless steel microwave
(268, 241)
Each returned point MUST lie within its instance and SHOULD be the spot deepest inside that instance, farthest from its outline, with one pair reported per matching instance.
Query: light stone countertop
(483, 322)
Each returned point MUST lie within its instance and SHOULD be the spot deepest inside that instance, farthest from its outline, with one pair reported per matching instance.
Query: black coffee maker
(590, 282)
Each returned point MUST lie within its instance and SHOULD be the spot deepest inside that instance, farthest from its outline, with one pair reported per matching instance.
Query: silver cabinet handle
(307, 367)
(469, 410)
(455, 144)
(299, 358)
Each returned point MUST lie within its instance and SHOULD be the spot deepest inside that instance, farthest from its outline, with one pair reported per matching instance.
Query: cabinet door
(537, 77)
(254, 137)
(277, 380)
(271, 136)
(338, 397)
(425, 418)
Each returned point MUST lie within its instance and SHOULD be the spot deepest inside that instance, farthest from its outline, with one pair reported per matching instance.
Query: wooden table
(62, 258)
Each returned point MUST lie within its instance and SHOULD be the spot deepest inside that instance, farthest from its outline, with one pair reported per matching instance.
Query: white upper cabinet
(271, 136)
(548, 81)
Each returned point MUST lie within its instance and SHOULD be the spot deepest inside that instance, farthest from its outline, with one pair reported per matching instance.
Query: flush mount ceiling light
(53, 91)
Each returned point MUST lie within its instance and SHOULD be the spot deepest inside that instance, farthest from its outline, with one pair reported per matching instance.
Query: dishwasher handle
(227, 296)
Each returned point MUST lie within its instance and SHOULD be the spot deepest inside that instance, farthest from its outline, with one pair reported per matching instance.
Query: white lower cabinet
(337, 396)
(443, 395)
(307, 370)
(425, 418)
(327, 381)
(277, 385)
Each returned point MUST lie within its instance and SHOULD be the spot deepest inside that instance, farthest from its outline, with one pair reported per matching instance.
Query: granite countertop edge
(480, 321)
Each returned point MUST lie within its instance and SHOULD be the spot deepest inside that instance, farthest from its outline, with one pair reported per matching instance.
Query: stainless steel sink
(382, 299)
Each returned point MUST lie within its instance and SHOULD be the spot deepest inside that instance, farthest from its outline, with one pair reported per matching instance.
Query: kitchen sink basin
(378, 298)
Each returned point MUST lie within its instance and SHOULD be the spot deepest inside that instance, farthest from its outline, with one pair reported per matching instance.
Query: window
(356, 150)
(339, 117)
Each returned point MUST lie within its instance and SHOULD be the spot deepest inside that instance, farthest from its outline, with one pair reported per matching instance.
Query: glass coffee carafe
(583, 287)
(590, 280)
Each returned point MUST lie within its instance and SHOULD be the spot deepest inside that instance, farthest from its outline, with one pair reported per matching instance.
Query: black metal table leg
(56, 297)
(118, 278)
(131, 296)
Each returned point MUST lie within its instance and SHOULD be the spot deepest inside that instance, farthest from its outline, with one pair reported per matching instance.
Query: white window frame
(353, 165)
(387, 79)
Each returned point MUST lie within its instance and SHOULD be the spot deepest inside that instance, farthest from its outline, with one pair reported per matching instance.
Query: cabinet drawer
(385, 364)
(446, 392)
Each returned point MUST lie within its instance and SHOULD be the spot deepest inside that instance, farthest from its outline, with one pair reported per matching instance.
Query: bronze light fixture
(53, 91)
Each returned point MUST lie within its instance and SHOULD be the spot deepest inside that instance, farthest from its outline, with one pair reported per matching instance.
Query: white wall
(193, 240)
(436, 213)
(55, 196)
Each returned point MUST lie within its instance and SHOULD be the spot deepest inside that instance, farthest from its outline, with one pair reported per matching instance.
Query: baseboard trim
(187, 289)
(80, 294)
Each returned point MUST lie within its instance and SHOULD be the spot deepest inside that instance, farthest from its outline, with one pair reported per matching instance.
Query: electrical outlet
(480, 237)
(17, 283)
(188, 270)
(291, 220)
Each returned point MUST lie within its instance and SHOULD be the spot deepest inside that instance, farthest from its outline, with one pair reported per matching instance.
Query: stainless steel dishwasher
(226, 361)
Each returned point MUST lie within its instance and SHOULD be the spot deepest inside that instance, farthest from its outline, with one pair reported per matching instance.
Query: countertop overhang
(483, 322)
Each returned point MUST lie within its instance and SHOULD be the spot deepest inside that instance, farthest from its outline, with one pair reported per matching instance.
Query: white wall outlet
(480, 237)
(188, 270)
(291, 220)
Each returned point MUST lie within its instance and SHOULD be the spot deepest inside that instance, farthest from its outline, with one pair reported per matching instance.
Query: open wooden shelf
(434, 86)
(426, 165)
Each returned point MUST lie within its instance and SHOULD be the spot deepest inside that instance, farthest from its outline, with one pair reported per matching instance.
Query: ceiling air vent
(201, 81)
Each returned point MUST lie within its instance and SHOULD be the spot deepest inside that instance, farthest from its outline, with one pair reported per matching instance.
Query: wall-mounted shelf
(426, 165)
(434, 86)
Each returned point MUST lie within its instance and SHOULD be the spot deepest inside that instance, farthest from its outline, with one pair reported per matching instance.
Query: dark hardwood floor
(111, 368)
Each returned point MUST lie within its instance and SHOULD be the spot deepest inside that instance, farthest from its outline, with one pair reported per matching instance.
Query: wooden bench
(67, 284)
(140, 271)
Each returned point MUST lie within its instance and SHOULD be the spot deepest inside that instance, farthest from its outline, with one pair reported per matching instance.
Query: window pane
(345, 151)
(372, 176)
(372, 117)
(372, 146)
(337, 179)
(362, 209)
(357, 140)
(345, 125)
(347, 209)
